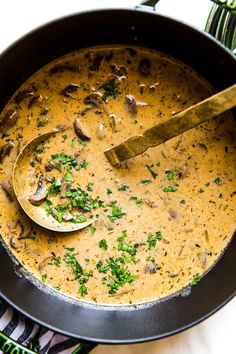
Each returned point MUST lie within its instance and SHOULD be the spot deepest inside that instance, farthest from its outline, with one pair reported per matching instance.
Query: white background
(17, 17)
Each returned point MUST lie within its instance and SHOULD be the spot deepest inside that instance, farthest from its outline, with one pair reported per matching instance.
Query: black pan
(110, 324)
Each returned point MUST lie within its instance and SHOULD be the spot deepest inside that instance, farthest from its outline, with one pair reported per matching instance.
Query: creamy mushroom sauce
(161, 219)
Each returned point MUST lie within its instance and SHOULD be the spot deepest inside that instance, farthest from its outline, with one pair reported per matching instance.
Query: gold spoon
(178, 124)
(31, 203)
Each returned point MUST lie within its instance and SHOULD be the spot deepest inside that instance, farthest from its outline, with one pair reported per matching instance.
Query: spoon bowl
(32, 204)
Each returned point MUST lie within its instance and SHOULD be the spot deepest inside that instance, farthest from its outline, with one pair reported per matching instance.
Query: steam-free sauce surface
(160, 220)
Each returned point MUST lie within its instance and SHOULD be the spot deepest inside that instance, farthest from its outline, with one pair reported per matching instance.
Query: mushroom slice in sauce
(40, 195)
(68, 90)
(8, 190)
(122, 71)
(22, 95)
(58, 69)
(5, 150)
(8, 121)
(93, 100)
(80, 131)
(145, 67)
(131, 104)
(35, 100)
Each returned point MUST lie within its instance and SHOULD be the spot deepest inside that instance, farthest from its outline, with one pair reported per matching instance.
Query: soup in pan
(160, 220)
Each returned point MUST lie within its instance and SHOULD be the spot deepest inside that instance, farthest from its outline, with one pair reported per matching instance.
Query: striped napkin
(31, 335)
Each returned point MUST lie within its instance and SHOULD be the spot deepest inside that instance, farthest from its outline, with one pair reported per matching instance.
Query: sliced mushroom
(101, 131)
(9, 120)
(51, 165)
(95, 61)
(22, 95)
(131, 104)
(183, 171)
(145, 67)
(8, 190)
(40, 194)
(173, 214)
(150, 268)
(25, 229)
(58, 69)
(130, 52)
(13, 242)
(35, 100)
(113, 124)
(67, 216)
(122, 71)
(80, 131)
(45, 262)
(68, 90)
(202, 146)
(93, 100)
(5, 150)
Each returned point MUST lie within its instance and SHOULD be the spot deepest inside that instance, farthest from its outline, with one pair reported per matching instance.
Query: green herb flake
(116, 212)
(103, 244)
(170, 189)
(110, 88)
(47, 207)
(68, 178)
(145, 181)
(123, 187)
(138, 202)
(217, 180)
(196, 279)
(152, 239)
(200, 190)
(182, 201)
(93, 230)
(70, 249)
(64, 137)
(150, 169)
(72, 145)
(55, 188)
(109, 191)
(170, 174)
(44, 278)
(57, 261)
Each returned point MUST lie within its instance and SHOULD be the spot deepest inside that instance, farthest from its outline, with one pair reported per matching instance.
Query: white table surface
(216, 334)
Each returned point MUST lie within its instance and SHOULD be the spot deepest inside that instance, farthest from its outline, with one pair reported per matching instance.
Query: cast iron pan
(109, 324)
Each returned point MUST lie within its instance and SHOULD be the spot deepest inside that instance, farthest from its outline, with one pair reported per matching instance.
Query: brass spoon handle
(178, 124)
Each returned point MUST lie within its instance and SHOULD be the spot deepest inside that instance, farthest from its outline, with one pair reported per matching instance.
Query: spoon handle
(178, 124)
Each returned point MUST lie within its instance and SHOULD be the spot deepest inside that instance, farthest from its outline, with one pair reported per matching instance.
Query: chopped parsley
(169, 189)
(93, 230)
(68, 178)
(119, 275)
(109, 191)
(47, 206)
(111, 89)
(145, 181)
(44, 277)
(116, 212)
(182, 201)
(127, 247)
(138, 202)
(123, 187)
(103, 245)
(200, 190)
(152, 239)
(196, 279)
(55, 188)
(150, 169)
(79, 273)
(217, 180)
(170, 174)
(57, 261)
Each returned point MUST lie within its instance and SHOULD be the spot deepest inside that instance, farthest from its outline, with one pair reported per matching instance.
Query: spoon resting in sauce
(178, 124)
(34, 203)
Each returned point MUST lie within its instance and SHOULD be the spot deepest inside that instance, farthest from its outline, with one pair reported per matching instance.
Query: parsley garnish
(170, 174)
(80, 275)
(152, 239)
(116, 212)
(111, 89)
(55, 188)
(153, 173)
(171, 188)
(44, 278)
(123, 187)
(145, 181)
(196, 279)
(47, 206)
(68, 178)
(217, 180)
(103, 245)
(109, 191)
(138, 202)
